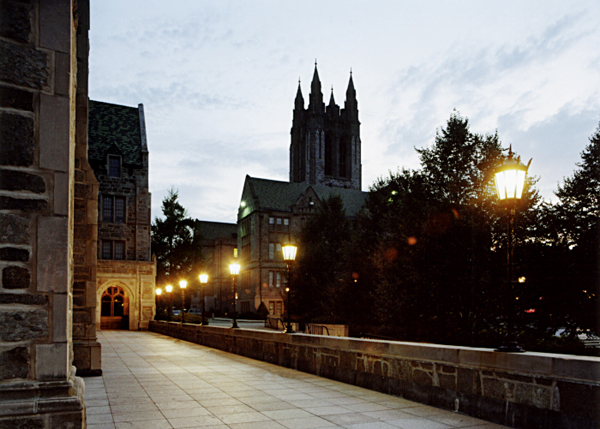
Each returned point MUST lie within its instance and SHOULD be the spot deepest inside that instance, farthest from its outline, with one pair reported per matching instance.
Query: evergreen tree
(176, 242)
(321, 274)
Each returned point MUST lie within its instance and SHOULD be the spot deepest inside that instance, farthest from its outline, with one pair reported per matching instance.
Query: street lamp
(510, 183)
(289, 255)
(169, 289)
(234, 269)
(182, 285)
(203, 280)
(158, 294)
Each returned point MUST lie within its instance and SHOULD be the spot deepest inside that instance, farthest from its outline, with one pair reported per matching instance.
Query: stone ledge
(516, 389)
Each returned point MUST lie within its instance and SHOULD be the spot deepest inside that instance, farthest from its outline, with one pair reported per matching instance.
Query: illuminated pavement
(151, 381)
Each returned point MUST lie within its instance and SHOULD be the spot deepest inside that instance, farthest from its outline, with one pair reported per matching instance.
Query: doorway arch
(114, 308)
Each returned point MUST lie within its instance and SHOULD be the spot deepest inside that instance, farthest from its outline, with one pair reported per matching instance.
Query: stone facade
(42, 112)
(118, 154)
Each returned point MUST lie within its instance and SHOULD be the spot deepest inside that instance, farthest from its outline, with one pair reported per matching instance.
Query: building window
(278, 279)
(271, 307)
(271, 250)
(279, 308)
(113, 209)
(278, 251)
(271, 279)
(235, 252)
(279, 223)
(111, 249)
(271, 224)
(286, 225)
(106, 249)
(114, 166)
(119, 250)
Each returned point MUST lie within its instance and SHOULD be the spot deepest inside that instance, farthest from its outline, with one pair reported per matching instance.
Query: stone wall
(523, 390)
(38, 386)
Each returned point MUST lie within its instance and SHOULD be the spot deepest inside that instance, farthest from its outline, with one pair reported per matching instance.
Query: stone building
(219, 248)
(325, 160)
(47, 215)
(118, 153)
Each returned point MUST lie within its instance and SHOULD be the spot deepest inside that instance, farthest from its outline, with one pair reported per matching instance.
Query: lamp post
(510, 183)
(203, 280)
(169, 289)
(158, 294)
(289, 255)
(182, 285)
(234, 269)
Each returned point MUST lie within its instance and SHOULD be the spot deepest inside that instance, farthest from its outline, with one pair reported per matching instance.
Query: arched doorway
(114, 312)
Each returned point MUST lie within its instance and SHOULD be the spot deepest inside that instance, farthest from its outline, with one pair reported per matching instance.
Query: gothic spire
(351, 94)
(331, 99)
(316, 96)
(299, 103)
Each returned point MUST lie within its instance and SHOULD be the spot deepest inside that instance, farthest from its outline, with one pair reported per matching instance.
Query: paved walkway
(152, 381)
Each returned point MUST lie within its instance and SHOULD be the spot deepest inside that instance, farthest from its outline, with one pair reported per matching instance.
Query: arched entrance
(114, 312)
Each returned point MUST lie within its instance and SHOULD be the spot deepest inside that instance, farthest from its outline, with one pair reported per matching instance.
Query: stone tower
(325, 147)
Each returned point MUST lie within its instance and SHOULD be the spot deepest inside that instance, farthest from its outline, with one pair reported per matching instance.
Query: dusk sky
(218, 81)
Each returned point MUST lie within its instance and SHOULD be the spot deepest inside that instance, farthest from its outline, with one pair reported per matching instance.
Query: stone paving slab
(151, 381)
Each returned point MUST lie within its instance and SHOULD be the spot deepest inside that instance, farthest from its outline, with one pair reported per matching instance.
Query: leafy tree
(176, 242)
(568, 255)
(321, 272)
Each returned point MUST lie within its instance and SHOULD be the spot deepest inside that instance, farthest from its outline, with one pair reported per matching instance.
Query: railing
(316, 329)
(273, 322)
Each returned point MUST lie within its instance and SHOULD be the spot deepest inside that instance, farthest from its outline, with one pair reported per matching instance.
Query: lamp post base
(234, 324)
(510, 347)
(288, 329)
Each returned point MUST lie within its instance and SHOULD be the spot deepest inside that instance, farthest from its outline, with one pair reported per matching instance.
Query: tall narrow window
(114, 166)
(278, 280)
(107, 208)
(119, 250)
(120, 209)
(286, 225)
(278, 251)
(271, 250)
(279, 220)
(271, 223)
(271, 275)
(106, 249)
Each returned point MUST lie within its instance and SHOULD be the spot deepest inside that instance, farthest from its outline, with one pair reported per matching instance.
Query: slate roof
(114, 129)
(273, 195)
(215, 230)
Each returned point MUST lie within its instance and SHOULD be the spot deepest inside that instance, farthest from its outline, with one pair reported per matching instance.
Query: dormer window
(114, 166)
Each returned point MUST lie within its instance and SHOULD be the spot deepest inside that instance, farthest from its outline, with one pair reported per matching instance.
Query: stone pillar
(38, 386)
(86, 347)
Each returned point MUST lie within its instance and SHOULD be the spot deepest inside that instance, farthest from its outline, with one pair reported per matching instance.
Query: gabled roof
(215, 230)
(273, 195)
(114, 129)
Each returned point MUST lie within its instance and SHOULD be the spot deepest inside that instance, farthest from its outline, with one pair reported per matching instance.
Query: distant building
(271, 214)
(325, 160)
(219, 248)
(126, 274)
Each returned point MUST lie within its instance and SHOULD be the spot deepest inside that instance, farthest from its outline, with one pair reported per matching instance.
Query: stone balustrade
(525, 390)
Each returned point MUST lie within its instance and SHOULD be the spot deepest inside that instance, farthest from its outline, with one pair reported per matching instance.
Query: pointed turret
(316, 95)
(299, 103)
(351, 103)
(331, 99)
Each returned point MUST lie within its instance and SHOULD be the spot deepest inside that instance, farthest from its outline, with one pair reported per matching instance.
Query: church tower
(325, 147)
